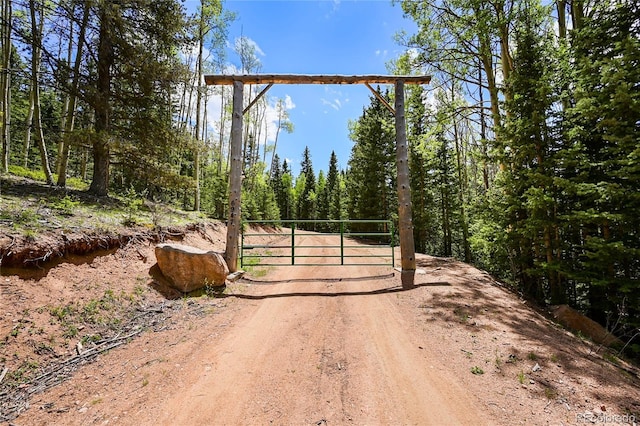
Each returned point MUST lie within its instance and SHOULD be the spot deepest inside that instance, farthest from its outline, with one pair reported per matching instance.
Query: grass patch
(38, 175)
(252, 266)
(608, 356)
(105, 311)
(477, 370)
(498, 361)
(30, 207)
(66, 205)
(462, 316)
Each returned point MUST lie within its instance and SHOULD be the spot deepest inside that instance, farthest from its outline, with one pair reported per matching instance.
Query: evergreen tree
(334, 196)
(419, 175)
(275, 181)
(322, 204)
(446, 195)
(371, 177)
(215, 194)
(308, 196)
(298, 191)
(601, 167)
(287, 201)
(258, 198)
(530, 144)
(136, 50)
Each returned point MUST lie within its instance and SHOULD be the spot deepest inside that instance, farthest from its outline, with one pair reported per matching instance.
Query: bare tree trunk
(27, 133)
(205, 120)
(577, 14)
(506, 60)
(483, 133)
(184, 113)
(189, 105)
(101, 149)
(275, 142)
(461, 198)
(65, 106)
(485, 54)
(196, 154)
(561, 6)
(5, 83)
(73, 100)
(36, 29)
(83, 163)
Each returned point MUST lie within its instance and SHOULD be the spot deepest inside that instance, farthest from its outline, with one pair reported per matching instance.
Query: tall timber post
(235, 180)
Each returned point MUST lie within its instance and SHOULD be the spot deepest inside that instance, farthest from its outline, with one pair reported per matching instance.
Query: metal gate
(305, 242)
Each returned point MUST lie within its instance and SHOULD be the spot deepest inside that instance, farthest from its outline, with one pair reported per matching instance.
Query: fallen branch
(15, 400)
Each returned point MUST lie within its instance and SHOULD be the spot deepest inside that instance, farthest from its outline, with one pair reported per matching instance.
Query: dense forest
(524, 150)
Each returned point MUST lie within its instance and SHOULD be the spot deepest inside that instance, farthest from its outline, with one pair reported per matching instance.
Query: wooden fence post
(235, 179)
(405, 219)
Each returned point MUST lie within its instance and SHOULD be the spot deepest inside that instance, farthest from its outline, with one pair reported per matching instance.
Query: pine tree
(322, 204)
(601, 169)
(286, 202)
(308, 197)
(530, 141)
(420, 178)
(334, 196)
(136, 52)
(371, 177)
(258, 197)
(275, 181)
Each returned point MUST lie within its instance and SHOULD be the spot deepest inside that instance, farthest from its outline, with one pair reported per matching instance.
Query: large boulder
(188, 268)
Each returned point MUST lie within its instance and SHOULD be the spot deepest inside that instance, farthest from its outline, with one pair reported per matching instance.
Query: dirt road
(315, 350)
(332, 345)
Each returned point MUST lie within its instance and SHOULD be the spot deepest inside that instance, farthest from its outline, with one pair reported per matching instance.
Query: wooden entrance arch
(405, 219)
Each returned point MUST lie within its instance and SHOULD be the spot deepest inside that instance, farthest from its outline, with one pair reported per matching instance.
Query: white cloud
(231, 69)
(335, 105)
(288, 102)
(338, 98)
(251, 43)
(335, 5)
(382, 53)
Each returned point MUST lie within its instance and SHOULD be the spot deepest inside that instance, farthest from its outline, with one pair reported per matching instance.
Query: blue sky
(320, 37)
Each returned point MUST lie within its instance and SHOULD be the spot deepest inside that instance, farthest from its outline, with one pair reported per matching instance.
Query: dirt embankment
(50, 248)
(299, 345)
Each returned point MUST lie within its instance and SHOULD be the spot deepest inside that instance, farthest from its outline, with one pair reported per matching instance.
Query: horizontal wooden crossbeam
(228, 79)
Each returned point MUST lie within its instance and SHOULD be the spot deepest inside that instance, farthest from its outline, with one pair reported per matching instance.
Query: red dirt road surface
(314, 345)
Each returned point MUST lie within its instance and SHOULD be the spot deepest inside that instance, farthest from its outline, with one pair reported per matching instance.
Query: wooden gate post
(235, 179)
(405, 219)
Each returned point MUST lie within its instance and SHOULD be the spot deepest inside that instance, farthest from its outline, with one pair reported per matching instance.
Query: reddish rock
(188, 268)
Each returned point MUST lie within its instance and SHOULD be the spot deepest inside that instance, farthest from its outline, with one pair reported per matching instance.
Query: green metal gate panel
(283, 243)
